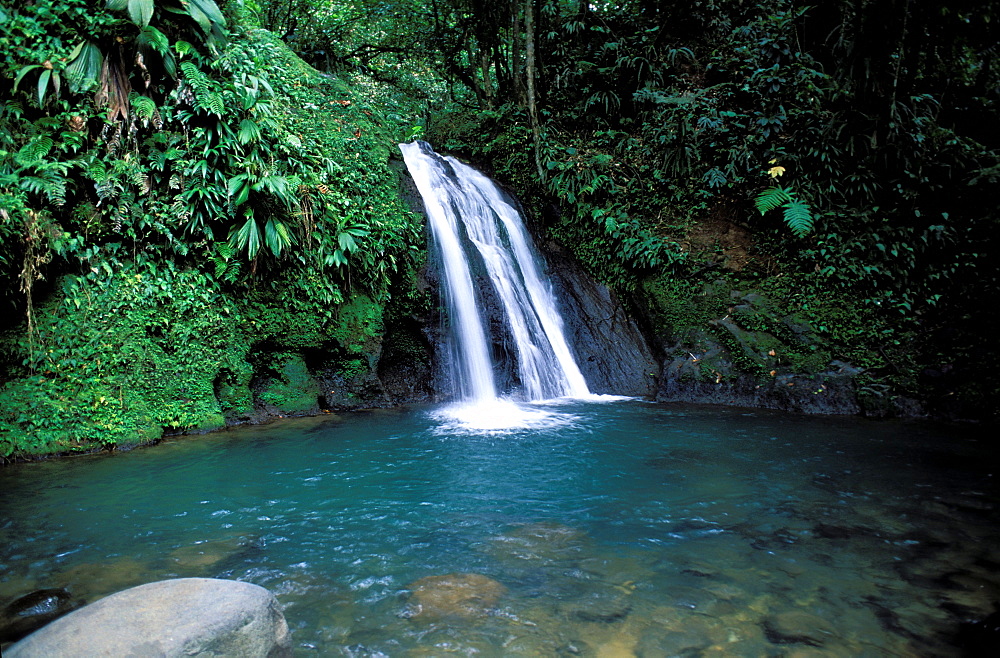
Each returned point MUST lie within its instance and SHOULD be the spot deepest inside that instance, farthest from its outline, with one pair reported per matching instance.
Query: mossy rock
(360, 325)
(294, 391)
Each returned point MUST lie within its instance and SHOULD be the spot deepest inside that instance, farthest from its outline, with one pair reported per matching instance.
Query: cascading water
(470, 219)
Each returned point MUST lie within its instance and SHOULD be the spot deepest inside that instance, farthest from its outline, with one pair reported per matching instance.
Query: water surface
(625, 528)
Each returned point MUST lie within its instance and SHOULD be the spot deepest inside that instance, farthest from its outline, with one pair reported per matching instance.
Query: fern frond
(215, 104)
(32, 152)
(773, 198)
(144, 106)
(799, 217)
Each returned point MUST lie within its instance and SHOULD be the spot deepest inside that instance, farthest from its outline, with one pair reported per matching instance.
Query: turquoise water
(615, 529)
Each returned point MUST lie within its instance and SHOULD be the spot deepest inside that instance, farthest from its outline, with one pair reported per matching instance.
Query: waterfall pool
(625, 528)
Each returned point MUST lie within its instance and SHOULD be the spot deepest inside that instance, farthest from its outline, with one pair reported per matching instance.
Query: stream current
(611, 529)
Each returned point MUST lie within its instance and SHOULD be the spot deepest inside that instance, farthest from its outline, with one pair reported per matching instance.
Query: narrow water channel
(618, 528)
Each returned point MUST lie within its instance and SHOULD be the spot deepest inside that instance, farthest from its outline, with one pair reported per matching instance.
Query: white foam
(497, 417)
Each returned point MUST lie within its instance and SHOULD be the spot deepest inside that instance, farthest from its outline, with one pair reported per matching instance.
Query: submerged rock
(601, 603)
(32, 611)
(796, 626)
(466, 595)
(183, 617)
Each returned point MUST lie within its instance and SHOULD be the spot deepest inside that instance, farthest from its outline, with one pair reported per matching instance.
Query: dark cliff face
(611, 350)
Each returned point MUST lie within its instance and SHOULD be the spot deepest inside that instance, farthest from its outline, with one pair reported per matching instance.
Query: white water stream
(471, 220)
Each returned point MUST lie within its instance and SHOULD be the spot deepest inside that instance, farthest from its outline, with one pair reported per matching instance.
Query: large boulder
(182, 617)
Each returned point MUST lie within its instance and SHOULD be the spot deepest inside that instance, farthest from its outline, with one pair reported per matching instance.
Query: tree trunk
(529, 56)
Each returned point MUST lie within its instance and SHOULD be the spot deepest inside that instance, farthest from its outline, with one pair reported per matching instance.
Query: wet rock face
(609, 347)
(683, 380)
(32, 611)
(463, 595)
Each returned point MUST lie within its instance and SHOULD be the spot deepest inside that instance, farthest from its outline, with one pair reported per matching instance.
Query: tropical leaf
(277, 236)
(152, 40)
(239, 190)
(84, 70)
(346, 242)
(772, 198)
(249, 131)
(33, 152)
(141, 11)
(215, 103)
(43, 85)
(247, 238)
(116, 5)
(715, 178)
(144, 106)
(210, 9)
(23, 72)
(799, 217)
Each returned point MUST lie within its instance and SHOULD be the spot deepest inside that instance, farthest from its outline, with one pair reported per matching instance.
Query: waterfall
(474, 225)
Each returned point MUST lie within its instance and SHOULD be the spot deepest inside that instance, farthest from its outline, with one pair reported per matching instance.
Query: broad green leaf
(24, 71)
(210, 10)
(249, 131)
(346, 242)
(277, 236)
(84, 71)
(141, 11)
(43, 83)
(116, 5)
(200, 17)
(247, 238)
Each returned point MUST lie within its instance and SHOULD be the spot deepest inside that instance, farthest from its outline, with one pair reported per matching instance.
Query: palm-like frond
(799, 217)
(772, 198)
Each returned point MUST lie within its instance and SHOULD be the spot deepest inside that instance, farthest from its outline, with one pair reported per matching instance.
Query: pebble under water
(613, 529)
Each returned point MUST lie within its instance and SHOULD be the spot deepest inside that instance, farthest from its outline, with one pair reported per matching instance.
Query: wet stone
(605, 605)
(679, 643)
(797, 626)
(466, 595)
(32, 611)
(829, 531)
(207, 555)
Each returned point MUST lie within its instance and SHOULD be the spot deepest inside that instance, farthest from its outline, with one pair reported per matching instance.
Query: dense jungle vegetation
(198, 198)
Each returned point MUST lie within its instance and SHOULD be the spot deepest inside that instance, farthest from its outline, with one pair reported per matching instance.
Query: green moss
(359, 324)
(119, 358)
(294, 391)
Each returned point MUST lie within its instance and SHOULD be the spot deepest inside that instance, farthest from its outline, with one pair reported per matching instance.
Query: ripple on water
(603, 529)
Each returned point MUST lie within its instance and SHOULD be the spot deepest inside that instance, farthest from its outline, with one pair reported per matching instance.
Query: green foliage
(359, 322)
(294, 391)
(214, 161)
(798, 214)
(123, 353)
